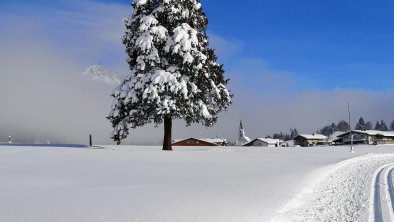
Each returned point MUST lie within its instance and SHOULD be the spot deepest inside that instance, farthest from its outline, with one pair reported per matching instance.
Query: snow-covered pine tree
(392, 126)
(343, 126)
(328, 130)
(383, 126)
(377, 126)
(293, 133)
(368, 125)
(361, 125)
(174, 73)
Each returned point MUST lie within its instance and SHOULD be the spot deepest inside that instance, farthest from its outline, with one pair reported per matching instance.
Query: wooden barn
(200, 142)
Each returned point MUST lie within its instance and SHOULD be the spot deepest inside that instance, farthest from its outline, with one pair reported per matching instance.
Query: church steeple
(242, 138)
(241, 131)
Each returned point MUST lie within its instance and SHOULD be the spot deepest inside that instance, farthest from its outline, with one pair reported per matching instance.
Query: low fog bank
(46, 97)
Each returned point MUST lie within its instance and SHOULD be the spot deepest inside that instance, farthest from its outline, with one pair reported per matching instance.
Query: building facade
(306, 140)
(369, 137)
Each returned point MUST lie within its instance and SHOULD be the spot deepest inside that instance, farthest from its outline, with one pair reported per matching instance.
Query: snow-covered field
(196, 184)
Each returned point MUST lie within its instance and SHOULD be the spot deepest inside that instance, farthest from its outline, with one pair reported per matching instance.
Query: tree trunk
(167, 143)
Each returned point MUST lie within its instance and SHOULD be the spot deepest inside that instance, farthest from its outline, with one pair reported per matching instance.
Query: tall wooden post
(350, 127)
(90, 140)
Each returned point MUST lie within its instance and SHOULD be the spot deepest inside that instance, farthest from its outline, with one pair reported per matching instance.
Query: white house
(267, 142)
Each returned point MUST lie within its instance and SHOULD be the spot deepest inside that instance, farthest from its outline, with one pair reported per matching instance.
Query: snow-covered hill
(190, 184)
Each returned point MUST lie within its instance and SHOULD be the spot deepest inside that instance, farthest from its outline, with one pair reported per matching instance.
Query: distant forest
(341, 126)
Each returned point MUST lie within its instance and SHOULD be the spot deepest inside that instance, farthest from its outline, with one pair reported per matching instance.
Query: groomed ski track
(357, 189)
(381, 204)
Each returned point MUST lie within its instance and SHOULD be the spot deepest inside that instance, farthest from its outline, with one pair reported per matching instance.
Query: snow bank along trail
(381, 204)
(358, 189)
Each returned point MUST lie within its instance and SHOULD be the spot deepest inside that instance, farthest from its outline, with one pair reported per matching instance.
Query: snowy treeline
(343, 126)
(285, 136)
(362, 125)
(380, 125)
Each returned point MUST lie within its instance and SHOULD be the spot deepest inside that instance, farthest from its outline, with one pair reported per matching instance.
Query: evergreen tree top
(173, 71)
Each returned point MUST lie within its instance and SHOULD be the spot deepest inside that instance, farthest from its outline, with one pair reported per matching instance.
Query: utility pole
(350, 128)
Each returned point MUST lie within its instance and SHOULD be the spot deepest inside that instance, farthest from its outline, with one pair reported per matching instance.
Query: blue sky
(283, 56)
(318, 44)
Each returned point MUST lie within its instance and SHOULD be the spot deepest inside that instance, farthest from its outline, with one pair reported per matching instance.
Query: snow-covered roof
(269, 140)
(334, 136)
(213, 140)
(314, 136)
(371, 133)
(209, 140)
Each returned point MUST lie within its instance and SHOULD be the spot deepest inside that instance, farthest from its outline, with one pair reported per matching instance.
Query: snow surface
(120, 183)
(343, 194)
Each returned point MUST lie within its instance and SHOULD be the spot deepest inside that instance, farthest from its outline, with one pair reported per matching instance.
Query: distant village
(361, 135)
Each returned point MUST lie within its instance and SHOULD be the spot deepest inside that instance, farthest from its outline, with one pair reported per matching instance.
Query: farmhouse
(267, 142)
(368, 137)
(200, 142)
(310, 140)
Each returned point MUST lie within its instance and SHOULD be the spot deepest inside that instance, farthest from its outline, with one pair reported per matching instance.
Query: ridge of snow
(338, 194)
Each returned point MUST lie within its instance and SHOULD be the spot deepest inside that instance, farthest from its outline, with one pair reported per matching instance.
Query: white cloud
(225, 48)
(83, 31)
